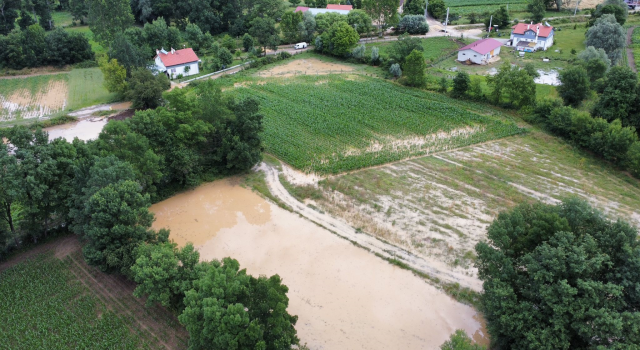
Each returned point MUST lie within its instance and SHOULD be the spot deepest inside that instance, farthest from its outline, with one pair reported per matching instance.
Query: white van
(301, 46)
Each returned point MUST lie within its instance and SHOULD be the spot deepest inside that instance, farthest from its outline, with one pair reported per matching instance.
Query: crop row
(43, 307)
(330, 125)
(458, 3)
(485, 9)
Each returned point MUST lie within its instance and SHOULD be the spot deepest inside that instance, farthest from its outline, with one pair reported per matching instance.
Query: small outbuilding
(480, 52)
(176, 62)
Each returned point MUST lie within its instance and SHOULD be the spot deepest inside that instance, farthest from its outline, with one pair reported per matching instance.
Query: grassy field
(331, 124)
(434, 48)
(62, 19)
(48, 303)
(86, 88)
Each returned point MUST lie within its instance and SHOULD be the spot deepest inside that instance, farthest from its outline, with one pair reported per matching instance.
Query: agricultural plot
(464, 7)
(33, 97)
(86, 88)
(50, 303)
(440, 206)
(434, 48)
(331, 124)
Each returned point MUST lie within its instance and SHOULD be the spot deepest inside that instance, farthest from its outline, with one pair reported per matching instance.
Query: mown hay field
(336, 123)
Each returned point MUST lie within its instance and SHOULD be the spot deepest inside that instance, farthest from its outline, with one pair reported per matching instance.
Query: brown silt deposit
(344, 296)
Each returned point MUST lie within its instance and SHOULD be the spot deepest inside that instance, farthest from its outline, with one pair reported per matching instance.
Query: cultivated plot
(440, 206)
(331, 124)
(33, 97)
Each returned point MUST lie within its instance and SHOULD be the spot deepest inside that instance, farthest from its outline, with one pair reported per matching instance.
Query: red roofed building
(480, 52)
(532, 37)
(339, 7)
(176, 62)
(301, 9)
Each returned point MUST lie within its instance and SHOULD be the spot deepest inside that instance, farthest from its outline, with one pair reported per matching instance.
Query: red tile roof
(178, 57)
(521, 28)
(483, 46)
(339, 7)
(301, 8)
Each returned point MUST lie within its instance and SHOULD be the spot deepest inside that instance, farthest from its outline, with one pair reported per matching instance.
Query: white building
(480, 52)
(532, 37)
(176, 62)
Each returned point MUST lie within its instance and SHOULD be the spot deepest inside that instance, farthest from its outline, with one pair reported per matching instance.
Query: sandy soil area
(345, 297)
(27, 105)
(309, 66)
(585, 4)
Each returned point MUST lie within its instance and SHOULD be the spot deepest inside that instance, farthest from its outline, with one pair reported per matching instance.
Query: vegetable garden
(43, 307)
(330, 124)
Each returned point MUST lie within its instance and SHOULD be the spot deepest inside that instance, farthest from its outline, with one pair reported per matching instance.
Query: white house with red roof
(480, 52)
(532, 37)
(176, 62)
(339, 7)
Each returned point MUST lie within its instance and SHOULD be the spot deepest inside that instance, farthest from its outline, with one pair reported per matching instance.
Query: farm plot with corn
(337, 123)
(51, 303)
(33, 97)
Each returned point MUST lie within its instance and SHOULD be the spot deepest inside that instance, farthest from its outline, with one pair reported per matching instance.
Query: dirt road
(433, 268)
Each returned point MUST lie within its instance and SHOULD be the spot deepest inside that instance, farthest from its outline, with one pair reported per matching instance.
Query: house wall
(541, 43)
(475, 57)
(159, 66)
(174, 71)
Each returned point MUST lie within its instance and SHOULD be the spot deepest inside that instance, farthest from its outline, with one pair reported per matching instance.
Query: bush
(283, 55)
(413, 24)
(633, 159)
(461, 84)
(395, 70)
(614, 142)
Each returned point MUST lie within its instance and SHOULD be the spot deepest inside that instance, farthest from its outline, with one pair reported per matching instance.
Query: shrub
(395, 70)
(414, 24)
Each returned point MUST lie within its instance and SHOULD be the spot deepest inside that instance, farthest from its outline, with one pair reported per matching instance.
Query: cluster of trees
(101, 190)
(26, 13)
(33, 47)
(560, 277)
(607, 34)
(511, 87)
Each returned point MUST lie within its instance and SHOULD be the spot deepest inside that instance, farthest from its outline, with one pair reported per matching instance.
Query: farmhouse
(480, 52)
(339, 7)
(176, 62)
(532, 37)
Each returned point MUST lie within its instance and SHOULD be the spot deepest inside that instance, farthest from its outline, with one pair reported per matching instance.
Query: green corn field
(331, 124)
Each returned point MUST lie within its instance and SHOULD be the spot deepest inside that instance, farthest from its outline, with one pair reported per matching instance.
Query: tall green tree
(461, 84)
(10, 189)
(360, 21)
(108, 18)
(120, 222)
(414, 7)
(79, 10)
(608, 35)
(289, 26)
(459, 340)
(228, 309)
(575, 85)
(164, 273)
(115, 76)
(145, 89)
(537, 8)
(402, 47)
(560, 277)
(127, 54)
(414, 69)
(384, 12)
(512, 85)
(265, 32)
(10, 10)
(437, 9)
(618, 8)
(619, 99)
(340, 39)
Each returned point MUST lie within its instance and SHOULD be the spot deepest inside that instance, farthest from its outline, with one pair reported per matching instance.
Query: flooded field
(345, 297)
(87, 129)
(440, 207)
(40, 96)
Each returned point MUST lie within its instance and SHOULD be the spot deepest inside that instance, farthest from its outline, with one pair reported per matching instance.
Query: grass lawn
(62, 18)
(434, 48)
(86, 88)
(335, 123)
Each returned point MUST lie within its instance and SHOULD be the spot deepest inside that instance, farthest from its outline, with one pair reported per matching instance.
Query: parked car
(301, 46)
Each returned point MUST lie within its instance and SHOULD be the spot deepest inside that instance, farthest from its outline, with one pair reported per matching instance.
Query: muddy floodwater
(86, 129)
(344, 296)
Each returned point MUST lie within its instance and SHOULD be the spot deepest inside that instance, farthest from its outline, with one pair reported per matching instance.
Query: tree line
(101, 190)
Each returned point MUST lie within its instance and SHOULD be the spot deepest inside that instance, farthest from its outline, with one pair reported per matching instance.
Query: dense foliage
(414, 69)
(560, 277)
(607, 34)
(32, 47)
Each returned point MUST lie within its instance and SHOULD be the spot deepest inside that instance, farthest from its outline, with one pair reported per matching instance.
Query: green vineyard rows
(329, 124)
(43, 307)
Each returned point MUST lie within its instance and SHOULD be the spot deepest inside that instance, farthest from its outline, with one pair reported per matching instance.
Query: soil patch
(86, 129)
(22, 102)
(121, 106)
(344, 296)
(125, 114)
(309, 66)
